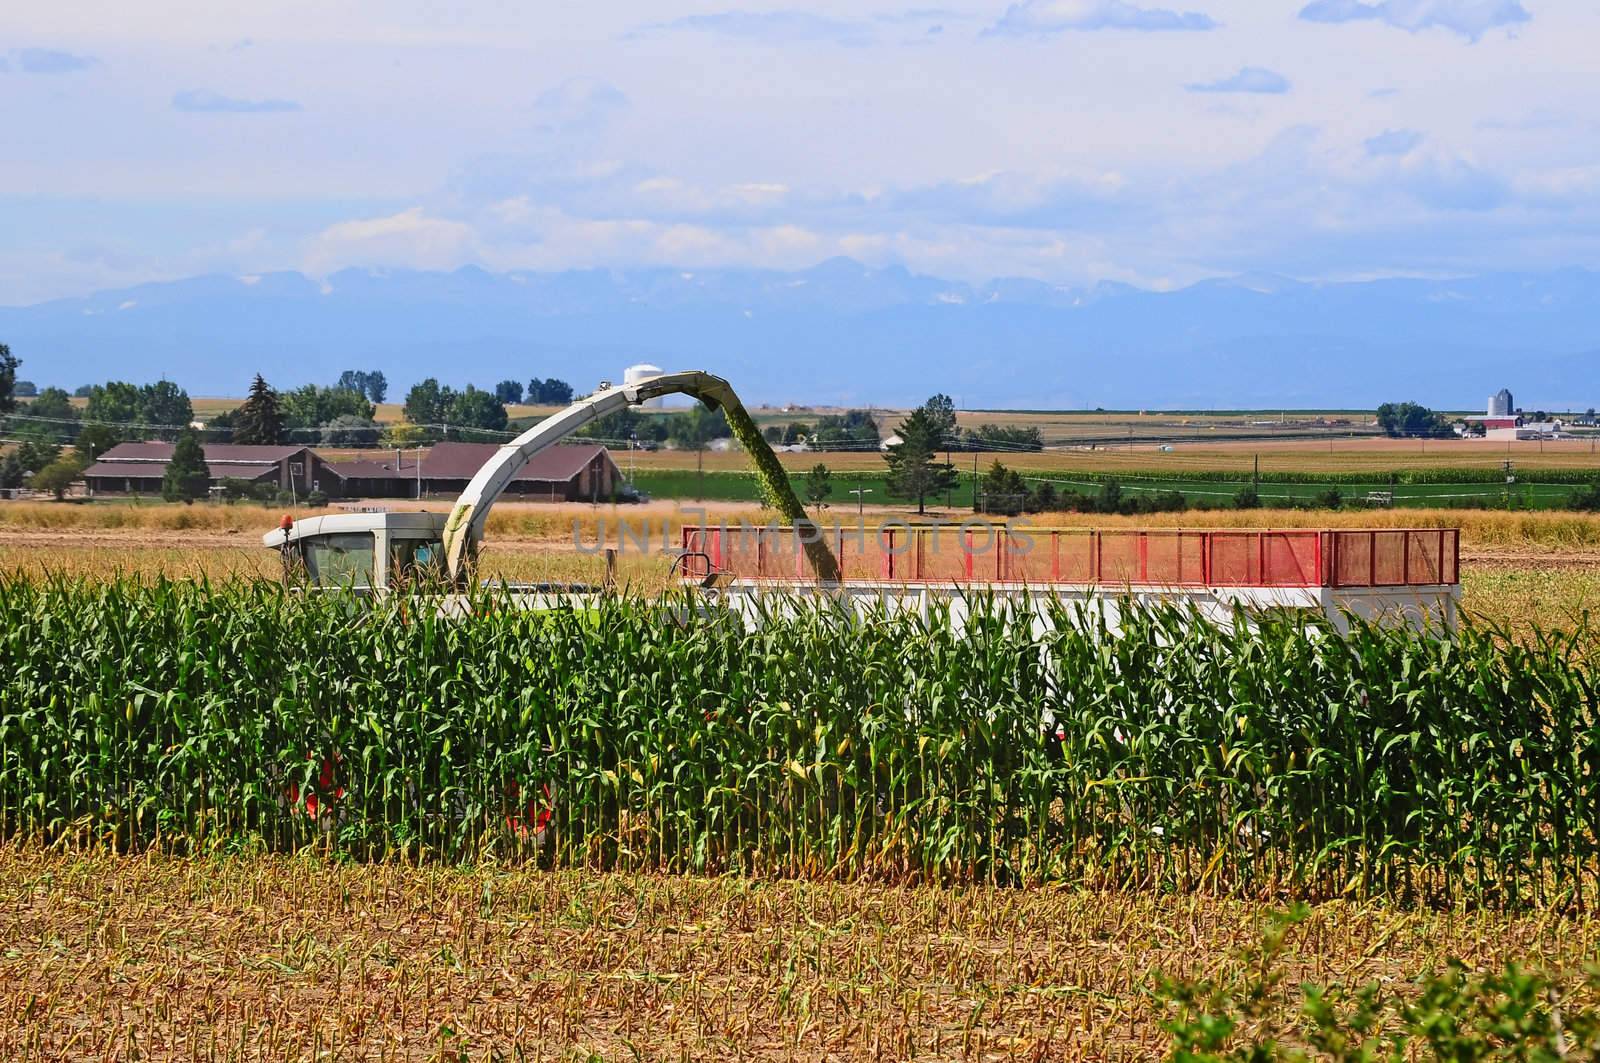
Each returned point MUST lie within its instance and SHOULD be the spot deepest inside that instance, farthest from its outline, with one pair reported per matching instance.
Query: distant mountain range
(845, 333)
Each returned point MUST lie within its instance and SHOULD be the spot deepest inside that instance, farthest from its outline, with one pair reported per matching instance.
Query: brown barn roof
(366, 470)
(224, 453)
(461, 461)
(149, 460)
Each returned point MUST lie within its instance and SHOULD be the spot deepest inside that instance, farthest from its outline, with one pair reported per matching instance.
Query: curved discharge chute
(464, 529)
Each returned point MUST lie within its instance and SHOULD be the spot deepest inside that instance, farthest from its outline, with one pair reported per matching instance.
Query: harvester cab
(361, 552)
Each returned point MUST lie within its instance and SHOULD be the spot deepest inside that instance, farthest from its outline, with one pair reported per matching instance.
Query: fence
(985, 553)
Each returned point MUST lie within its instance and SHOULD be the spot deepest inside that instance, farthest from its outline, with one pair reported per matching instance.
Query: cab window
(415, 559)
(341, 560)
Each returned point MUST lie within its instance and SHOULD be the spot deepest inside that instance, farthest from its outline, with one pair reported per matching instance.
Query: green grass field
(724, 485)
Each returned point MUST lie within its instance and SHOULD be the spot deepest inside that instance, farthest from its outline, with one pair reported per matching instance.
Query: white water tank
(644, 371)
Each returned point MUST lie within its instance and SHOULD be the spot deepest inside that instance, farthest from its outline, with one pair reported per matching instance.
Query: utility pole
(949, 487)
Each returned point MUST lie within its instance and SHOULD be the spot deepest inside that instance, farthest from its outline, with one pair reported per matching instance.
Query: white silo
(644, 371)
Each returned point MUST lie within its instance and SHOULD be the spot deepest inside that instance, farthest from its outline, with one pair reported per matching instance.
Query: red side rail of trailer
(985, 553)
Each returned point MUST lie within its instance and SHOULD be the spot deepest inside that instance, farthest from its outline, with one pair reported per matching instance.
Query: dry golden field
(1340, 455)
(293, 957)
(1521, 569)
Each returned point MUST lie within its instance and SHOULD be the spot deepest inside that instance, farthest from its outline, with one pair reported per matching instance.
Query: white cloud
(1039, 17)
(1470, 18)
(1249, 79)
(410, 238)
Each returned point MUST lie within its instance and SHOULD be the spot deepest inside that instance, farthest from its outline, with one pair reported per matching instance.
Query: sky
(1073, 141)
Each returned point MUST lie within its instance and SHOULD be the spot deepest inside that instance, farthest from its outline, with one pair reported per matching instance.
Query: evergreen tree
(259, 420)
(819, 485)
(942, 415)
(1004, 491)
(913, 472)
(8, 379)
(187, 475)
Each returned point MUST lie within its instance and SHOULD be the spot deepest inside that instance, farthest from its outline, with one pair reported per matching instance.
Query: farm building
(566, 473)
(137, 468)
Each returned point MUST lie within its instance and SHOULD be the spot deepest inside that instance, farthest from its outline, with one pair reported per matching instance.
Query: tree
(259, 421)
(12, 471)
(26, 389)
(59, 475)
(1246, 498)
(476, 409)
(1411, 421)
(371, 385)
(187, 475)
(403, 434)
(53, 403)
(846, 431)
(428, 403)
(311, 407)
(913, 473)
(942, 413)
(509, 392)
(165, 403)
(627, 423)
(83, 391)
(94, 440)
(697, 426)
(8, 379)
(1001, 437)
(818, 486)
(551, 392)
(114, 402)
(1004, 491)
(349, 430)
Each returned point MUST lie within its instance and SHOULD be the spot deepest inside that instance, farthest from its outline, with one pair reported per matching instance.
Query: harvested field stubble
(270, 958)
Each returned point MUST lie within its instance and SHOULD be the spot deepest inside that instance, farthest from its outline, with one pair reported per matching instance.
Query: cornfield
(666, 735)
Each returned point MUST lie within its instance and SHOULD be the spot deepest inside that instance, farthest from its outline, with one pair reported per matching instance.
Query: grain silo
(644, 371)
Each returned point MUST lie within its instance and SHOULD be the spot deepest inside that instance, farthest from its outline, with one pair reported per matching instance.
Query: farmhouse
(137, 468)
